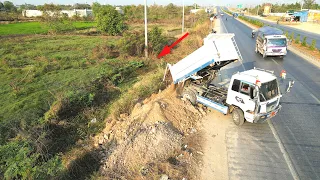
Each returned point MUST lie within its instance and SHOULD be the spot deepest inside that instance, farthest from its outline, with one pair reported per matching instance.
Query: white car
(221, 14)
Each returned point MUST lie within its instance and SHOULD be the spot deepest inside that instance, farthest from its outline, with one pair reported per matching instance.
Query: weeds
(304, 41)
(313, 44)
(297, 40)
(292, 36)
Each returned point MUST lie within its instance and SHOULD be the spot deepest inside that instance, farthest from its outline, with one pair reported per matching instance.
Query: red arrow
(166, 50)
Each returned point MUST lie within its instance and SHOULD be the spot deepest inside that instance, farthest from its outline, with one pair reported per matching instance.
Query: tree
(109, 20)
(308, 3)
(81, 6)
(28, 6)
(1, 6)
(157, 40)
(9, 6)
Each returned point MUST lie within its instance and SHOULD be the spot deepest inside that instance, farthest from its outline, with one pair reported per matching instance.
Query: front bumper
(260, 118)
(276, 53)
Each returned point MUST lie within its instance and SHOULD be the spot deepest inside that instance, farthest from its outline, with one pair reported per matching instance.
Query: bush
(292, 36)
(313, 44)
(156, 40)
(297, 39)
(109, 20)
(252, 21)
(18, 160)
(287, 34)
(304, 41)
(132, 43)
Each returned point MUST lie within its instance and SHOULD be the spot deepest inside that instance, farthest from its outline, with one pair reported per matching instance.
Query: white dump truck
(252, 95)
(271, 42)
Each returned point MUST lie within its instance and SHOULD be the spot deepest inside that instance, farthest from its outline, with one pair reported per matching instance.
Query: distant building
(119, 10)
(267, 9)
(69, 13)
(31, 13)
(314, 15)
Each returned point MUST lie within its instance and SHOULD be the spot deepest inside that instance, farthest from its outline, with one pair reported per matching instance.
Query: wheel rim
(236, 117)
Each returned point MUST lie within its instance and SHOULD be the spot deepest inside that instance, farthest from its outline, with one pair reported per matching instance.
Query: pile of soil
(155, 139)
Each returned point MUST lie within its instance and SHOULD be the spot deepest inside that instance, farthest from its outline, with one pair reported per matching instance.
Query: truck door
(242, 94)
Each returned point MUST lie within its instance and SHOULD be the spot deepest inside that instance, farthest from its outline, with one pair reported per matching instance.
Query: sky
(160, 2)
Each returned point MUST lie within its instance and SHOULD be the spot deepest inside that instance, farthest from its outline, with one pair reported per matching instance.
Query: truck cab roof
(251, 76)
(267, 30)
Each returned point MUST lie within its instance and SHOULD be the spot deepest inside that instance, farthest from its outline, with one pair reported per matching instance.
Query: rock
(199, 152)
(193, 130)
(164, 177)
(144, 171)
(124, 115)
(94, 120)
(101, 140)
(106, 136)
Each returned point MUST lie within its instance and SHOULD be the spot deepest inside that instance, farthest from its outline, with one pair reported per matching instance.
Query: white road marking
(275, 61)
(315, 98)
(284, 152)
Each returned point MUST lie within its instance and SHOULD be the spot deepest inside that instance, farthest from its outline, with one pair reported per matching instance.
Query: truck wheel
(190, 95)
(281, 57)
(237, 116)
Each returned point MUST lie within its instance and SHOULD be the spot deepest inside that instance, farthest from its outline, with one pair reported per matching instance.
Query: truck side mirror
(291, 83)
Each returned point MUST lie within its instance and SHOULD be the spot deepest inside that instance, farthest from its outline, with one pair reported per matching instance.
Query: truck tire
(190, 95)
(237, 116)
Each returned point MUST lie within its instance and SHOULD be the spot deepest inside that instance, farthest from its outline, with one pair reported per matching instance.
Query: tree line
(10, 7)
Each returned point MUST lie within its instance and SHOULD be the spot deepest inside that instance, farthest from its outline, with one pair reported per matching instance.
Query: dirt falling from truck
(159, 138)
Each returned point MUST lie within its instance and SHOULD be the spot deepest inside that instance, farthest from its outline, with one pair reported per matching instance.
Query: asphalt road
(310, 36)
(253, 150)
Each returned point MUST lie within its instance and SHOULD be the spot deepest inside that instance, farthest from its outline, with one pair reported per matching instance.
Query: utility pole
(258, 10)
(182, 16)
(301, 4)
(145, 30)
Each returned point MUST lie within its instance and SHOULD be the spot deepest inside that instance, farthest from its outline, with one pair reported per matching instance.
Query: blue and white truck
(252, 95)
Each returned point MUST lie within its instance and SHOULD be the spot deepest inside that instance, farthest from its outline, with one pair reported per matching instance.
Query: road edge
(295, 51)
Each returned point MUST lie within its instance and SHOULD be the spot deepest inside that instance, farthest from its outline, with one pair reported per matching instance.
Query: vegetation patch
(37, 27)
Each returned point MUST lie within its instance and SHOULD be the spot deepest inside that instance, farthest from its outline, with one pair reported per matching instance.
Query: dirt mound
(152, 135)
(149, 144)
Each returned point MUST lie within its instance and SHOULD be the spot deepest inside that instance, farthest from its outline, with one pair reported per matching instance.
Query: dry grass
(147, 85)
(273, 18)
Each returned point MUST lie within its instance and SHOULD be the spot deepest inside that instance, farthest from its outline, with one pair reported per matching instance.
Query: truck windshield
(277, 42)
(268, 90)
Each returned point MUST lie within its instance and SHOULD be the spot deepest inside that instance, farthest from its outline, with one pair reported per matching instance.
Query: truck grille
(276, 50)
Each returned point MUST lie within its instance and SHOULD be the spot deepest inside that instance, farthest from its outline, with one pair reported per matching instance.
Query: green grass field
(45, 80)
(35, 27)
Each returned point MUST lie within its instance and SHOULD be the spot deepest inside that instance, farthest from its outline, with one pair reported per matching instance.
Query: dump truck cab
(256, 92)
